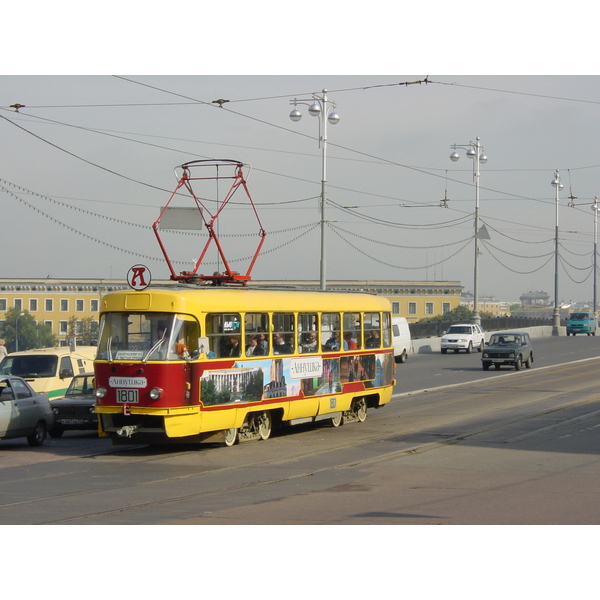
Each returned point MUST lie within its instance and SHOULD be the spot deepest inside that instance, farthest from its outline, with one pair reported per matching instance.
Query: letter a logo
(139, 277)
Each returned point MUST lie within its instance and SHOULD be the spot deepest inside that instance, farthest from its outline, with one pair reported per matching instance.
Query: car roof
(510, 333)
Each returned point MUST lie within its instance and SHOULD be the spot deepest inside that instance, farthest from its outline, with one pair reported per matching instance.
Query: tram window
(256, 328)
(283, 333)
(307, 332)
(352, 331)
(372, 330)
(186, 334)
(330, 331)
(387, 329)
(223, 332)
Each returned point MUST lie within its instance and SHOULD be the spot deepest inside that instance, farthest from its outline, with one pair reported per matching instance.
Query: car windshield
(29, 366)
(579, 316)
(459, 329)
(82, 384)
(506, 340)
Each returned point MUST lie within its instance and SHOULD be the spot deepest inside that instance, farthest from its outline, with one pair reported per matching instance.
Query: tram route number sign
(127, 396)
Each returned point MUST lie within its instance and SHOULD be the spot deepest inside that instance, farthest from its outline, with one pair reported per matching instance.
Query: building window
(412, 308)
(48, 324)
(49, 305)
(18, 304)
(445, 307)
(94, 305)
(63, 327)
(64, 305)
(428, 308)
(395, 308)
(33, 305)
(79, 305)
(3, 305)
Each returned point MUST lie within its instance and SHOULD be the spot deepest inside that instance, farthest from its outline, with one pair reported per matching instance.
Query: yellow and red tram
(223, 364)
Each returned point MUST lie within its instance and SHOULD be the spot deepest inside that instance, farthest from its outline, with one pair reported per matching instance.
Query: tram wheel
(359, 408)
(231, 437)
(338, 420)
(265, 425)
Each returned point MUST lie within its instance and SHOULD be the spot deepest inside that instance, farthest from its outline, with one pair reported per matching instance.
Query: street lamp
(475, 152)
(595, 209)
(317, 108)
(17, 332)
(556, 312)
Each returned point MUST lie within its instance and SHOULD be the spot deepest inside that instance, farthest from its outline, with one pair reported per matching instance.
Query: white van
(49, 370)
(401, 339)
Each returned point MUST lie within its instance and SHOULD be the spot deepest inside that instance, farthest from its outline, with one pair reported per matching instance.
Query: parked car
(463, 337)
(76, 409)
(23, 412)
(508, 348)
(401, 339)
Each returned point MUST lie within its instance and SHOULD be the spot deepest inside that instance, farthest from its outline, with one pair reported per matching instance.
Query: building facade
(56, 302)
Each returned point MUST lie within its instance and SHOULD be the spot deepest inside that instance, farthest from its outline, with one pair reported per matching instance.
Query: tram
(224, 364)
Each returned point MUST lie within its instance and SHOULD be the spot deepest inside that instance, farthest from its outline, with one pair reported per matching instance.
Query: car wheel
(486, 365)
(528, 362)
(444, 350)
(470, 348)
(55, 432)
(518, 363)
(39, 434)
(481, 346)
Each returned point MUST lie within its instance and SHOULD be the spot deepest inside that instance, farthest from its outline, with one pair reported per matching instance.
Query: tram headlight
(155, 393)
(101, 392)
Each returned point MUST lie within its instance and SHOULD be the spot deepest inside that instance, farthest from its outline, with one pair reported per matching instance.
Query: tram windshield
(148, 336)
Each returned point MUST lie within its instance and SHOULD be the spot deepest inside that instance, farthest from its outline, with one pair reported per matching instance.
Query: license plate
(71, 421)
(127, 396)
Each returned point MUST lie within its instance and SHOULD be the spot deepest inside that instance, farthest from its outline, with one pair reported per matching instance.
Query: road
(477, 448)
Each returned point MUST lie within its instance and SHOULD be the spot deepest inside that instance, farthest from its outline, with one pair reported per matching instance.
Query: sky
(88, 162)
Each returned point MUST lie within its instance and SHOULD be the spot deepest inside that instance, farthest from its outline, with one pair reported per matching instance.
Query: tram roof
(234, 299)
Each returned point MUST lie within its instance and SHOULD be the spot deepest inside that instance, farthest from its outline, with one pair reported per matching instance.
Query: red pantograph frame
(185, 181)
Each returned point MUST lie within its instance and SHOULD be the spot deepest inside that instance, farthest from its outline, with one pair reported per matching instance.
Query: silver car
(23, 412)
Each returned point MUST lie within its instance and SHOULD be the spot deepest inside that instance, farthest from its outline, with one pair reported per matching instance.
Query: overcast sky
(89, 160)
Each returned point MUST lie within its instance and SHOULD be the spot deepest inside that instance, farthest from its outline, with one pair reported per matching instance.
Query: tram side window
(283, 333)
(223, 332)
(352, 336)
(372, 330)
(256, 330)
(308, 332)
(387, 329)
(330, 331)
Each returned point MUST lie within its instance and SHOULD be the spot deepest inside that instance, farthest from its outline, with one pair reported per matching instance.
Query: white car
(23, 412)
(463, 337)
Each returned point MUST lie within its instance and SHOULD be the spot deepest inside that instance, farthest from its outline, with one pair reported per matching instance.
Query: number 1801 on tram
(215, 364)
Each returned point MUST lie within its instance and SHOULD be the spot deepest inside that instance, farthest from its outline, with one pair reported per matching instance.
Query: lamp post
(317, 108)
(475, 152)
(556, 312)
(17, 332)
(595, 209)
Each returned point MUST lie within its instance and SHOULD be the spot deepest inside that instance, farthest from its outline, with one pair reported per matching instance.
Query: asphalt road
(477, 448)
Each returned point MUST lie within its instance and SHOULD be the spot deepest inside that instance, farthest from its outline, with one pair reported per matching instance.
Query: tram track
(318, 456)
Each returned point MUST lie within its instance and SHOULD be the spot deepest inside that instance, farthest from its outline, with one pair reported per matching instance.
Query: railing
(426, 329)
